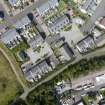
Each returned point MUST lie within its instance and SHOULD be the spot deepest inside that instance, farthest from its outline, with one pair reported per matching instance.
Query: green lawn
(102, 91)
(21, 46)
(9, 87)
(87, 98)
(18, 48)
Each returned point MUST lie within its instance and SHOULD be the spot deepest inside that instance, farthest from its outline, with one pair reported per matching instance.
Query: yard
(21, 47)
(9, 87)
(90, 98)
(102, 91)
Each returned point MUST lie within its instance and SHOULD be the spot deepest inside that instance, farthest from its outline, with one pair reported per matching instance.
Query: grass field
(14, 62)
(9, 87)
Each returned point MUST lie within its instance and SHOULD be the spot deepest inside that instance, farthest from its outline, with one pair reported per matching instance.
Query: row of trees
(43, 95)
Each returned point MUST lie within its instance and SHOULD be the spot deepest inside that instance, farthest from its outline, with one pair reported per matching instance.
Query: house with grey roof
(11, 38)
(52, 61)
(34, 72)
(90, 5)
(86, 44)
(57, 23)
(36, 41)
(14, 3)
(23, 22)
(66, 53)
(43, 6)
(62, 93)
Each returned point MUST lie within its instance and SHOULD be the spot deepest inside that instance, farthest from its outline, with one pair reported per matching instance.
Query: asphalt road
(11, 20)
(98, 52)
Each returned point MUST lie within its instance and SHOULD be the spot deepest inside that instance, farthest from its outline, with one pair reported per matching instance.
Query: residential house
(43, 6)
(11, 38)
(36, 41)
(86, 44)
(23, 22)
(90, 5)
(66, 53)
(52, 61)
(100, 40)
(57, 23)
(15, 3)
(34, 72)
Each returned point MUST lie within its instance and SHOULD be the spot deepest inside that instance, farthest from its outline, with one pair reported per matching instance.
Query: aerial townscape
(52, 52)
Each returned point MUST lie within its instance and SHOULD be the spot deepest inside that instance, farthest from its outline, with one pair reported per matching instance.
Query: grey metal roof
(23, 22)
(9, 36)
(44, 5)
(58, 21)
(89, 3)
(36, 68)
(35, 41)
(68, 51)
(13, 2)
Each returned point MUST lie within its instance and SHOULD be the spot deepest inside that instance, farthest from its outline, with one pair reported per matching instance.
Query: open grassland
(9, 87)
(14, 62)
